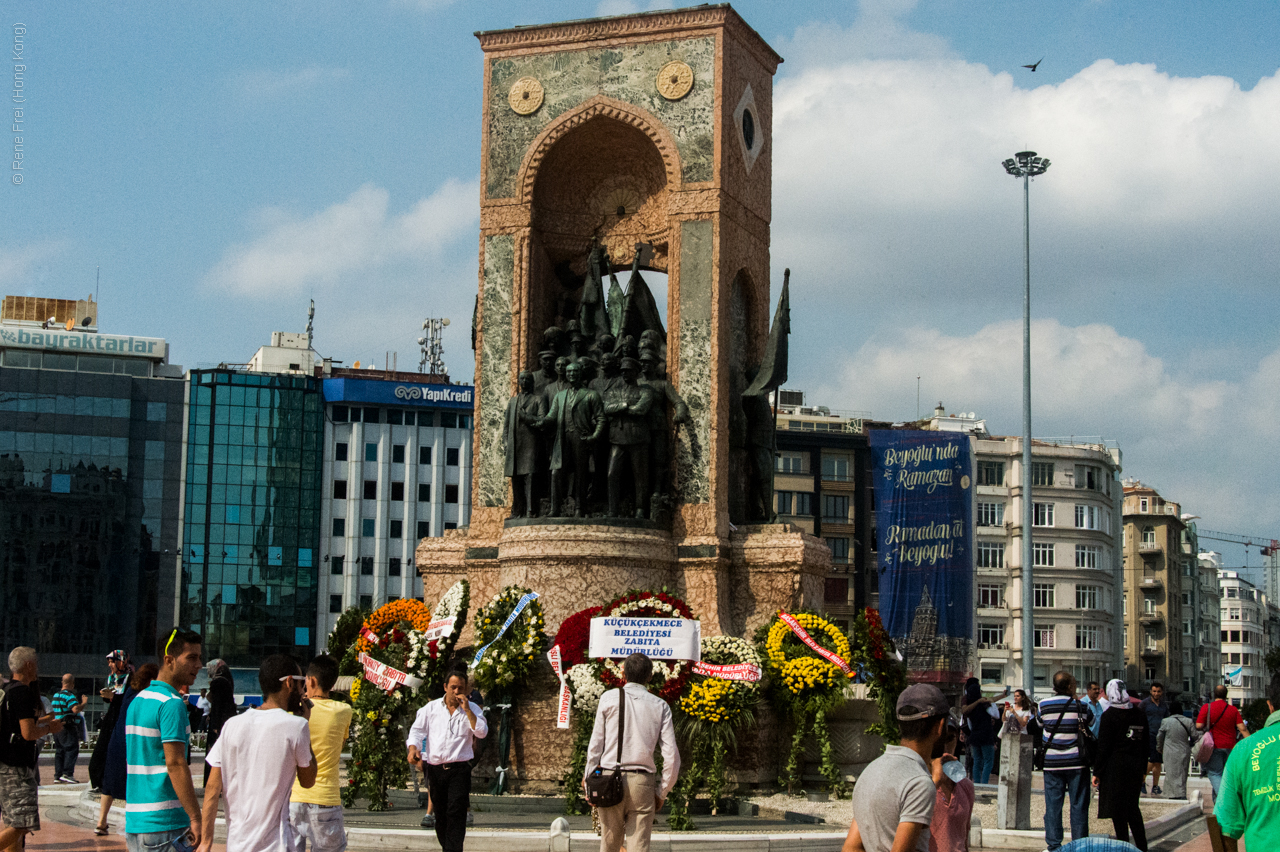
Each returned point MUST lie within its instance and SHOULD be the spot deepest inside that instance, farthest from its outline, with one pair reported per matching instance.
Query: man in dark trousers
(1156, 708)
(443, 738)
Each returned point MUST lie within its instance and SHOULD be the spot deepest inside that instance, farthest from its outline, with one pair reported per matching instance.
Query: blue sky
(223, 163)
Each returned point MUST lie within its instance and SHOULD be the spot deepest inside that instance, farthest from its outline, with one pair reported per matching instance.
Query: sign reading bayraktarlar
(924, 501)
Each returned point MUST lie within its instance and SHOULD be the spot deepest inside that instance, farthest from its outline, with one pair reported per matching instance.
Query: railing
(837, 477)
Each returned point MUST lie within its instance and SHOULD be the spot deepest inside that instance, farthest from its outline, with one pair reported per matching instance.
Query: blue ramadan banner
(924, 534)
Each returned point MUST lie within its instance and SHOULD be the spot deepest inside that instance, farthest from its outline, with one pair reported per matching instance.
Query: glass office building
(252, 513)
(90, 494)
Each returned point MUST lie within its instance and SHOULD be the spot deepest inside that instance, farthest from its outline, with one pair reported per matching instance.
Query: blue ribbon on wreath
(525, 600)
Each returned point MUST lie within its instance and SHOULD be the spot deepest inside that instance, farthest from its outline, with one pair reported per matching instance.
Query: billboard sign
(924, 535)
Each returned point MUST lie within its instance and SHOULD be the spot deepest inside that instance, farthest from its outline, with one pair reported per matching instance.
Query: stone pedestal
(1013, 801)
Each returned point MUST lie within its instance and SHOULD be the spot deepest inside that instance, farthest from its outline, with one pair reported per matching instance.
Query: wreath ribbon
(385, 677)
(525, 600)
(804, 637)
(370, 636)
(439, 629)
(566, 697)
(749, 672)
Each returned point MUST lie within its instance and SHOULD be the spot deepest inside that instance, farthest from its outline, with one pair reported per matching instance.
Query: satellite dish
(71, 324)
(86, 322)
(355, 366)
(445, 321)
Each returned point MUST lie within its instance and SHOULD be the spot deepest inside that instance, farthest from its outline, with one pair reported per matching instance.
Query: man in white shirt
(648, 722)
(443, 737)
(256, 759)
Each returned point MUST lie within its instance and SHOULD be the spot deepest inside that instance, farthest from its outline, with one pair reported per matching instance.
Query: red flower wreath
(672, 687)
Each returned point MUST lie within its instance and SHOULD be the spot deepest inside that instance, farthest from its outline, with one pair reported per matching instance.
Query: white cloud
(267, 84)
(349, 241)
(1199, 441)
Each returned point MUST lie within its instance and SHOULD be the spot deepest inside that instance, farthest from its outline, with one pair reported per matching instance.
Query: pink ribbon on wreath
(385, 677)
(566, 697)
(804, 636)
(736, 671)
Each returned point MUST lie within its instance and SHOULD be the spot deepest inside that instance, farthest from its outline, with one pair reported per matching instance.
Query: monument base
(733, 586)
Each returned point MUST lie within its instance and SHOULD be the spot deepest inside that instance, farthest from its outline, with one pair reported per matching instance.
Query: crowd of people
(275, 771)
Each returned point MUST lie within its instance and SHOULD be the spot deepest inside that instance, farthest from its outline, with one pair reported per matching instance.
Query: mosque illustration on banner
(924, 649)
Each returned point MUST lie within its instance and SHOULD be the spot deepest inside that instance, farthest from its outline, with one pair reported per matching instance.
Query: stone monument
(639, 141)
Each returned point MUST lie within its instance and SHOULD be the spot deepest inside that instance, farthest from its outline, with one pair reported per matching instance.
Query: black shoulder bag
(605, 791)
(1088, 743)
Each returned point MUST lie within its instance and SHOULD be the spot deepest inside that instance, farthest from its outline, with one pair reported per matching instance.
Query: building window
(1235, 636)
(1088, 555)
(1086, 517)
(1186, 627)
(424, 529)
(836, 591)
(1148, 535)
(335, 565)
(835, 508)
(1043, 595)
(366, 602)
(366, 566)
(1042, 473)
(1186, 599)
(991, 594)
(397, 453)
(1087, 597)
(991, 554)
(393, 566)
(371, 451)
(992, 674)
(1042, 515)
(1148, 604)
(448, 421)
(339, 527)
(1231, 592)
(424, 492)
(990, 514)
(1144, 505)
(424, 455)
(451, 494)
(368, 527)
(839, 549)
(451, 456)
(335, 603)
(991, 635)
(450, 525)
(372, 415)
(990, 473)
(339, 489)
(371, 489)
(396, 529)
(792, 462)
(339, 414)
(1042, 555)
(395, 417)
(1086, 637)
(397, 492)
(340, 451)
(1150, 673)
(836, 468)
(1088, 476)
(795, 503)
(1043, 637)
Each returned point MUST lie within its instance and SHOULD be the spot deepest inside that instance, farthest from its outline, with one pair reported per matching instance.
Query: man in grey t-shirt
(894, 797)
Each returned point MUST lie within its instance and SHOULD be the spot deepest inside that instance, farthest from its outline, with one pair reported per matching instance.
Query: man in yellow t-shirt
(316, 812)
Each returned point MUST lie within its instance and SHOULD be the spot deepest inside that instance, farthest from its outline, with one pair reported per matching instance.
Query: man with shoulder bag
(1062, 753)
(1223, 726)
(630, 722)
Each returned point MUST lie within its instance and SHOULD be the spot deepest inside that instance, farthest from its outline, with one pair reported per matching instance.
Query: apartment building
(1245, 637)
(1201, 623)
(1156, 573)
(822, 483)
(1075, 557)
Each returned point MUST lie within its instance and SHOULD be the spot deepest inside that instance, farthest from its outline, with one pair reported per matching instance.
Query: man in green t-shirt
(1248, 802)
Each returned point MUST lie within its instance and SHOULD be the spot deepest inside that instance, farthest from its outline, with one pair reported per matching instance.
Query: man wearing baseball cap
(893, 799)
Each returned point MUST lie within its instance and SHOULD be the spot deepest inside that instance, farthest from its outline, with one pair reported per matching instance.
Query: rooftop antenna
(432, 347)
(311, 316)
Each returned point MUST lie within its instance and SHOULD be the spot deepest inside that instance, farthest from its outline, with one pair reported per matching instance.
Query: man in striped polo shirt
(1065, 770)
(161, 800)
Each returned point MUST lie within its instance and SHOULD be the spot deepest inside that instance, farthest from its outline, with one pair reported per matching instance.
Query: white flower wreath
(586, 687)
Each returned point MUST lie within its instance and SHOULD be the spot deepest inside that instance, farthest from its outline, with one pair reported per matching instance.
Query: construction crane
(1266, 545)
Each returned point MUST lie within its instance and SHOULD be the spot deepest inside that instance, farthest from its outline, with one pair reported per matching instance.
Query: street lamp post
(1026, 165)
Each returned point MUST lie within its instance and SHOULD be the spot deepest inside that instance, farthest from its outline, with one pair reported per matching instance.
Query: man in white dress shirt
(648, 722)
(443, 737)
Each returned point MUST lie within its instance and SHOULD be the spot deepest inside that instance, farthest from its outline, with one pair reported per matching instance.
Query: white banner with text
(658, 638)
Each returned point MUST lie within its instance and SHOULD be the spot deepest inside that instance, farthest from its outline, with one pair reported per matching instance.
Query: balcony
(1152, 651)
(1151, 618)
(1151, 583)
(992, 646)
(1149, 548)
(836, 477)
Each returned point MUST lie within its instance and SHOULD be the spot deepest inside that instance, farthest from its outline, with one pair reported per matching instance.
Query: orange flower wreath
(407, 610)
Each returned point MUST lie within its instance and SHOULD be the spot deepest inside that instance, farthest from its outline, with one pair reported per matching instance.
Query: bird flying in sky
(1034, 65)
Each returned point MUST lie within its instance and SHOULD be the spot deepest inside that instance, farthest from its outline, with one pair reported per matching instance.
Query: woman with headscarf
(1121, 764)
(222, 705)
(1175, 739)
(982, 721)
(117, 679)
(115, 771)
